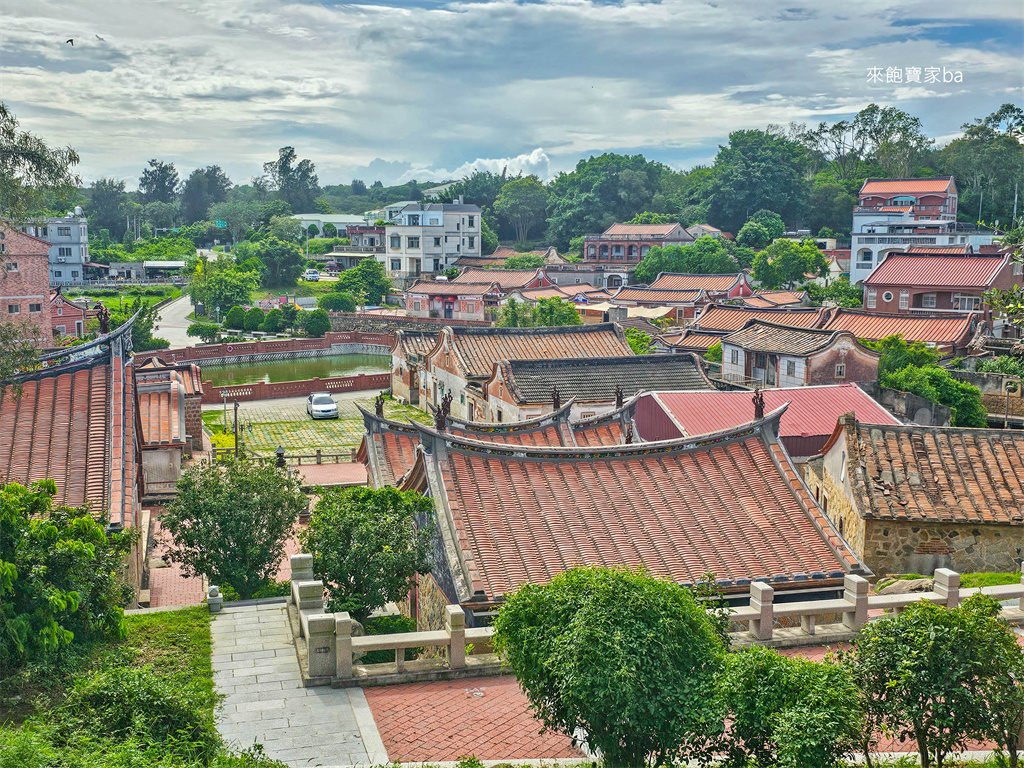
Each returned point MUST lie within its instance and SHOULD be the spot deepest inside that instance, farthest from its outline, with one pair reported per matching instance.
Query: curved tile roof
(679, 281)
(719, 317)
(946, 329)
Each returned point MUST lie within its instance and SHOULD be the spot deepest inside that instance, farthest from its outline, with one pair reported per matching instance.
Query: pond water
(296, 370)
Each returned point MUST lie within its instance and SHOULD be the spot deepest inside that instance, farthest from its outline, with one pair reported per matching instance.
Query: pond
(296, 370)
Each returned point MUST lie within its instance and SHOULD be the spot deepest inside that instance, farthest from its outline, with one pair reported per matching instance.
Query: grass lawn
(115, 302)
(967, 580)
(303, 288)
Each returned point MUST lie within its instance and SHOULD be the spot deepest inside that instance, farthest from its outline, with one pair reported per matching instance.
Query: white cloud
(535, 162)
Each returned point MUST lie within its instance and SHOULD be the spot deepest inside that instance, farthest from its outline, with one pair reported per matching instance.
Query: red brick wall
(860, 366)
(29, 286)
(194, 420)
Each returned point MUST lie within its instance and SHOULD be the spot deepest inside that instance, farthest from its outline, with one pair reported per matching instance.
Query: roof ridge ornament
(758, 401)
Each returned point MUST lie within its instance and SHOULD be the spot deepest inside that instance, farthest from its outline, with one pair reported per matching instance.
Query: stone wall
(342, 322)
(908, 406)
(904, 547)
(834, 500)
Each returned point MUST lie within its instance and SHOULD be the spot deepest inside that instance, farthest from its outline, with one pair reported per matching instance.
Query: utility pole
(236, 429)
(1013, 221)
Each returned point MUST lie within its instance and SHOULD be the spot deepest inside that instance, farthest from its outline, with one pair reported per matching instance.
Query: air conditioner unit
(61, 260)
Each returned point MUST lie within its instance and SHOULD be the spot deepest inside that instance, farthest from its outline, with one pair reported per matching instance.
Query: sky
(431, 89)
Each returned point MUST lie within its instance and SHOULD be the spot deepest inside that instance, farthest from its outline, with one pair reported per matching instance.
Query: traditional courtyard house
(726, 317)
(165, 439)
(462, 359)
(771, 299)
(507, 279)
(805, 427)
(76, 423)
(717, 287)
(522, 389)
(689, 340)
(910, 499)
(686, 302)
(646, 319)
(948, 332)
(191, 378)
(496, 260)
(706, 230)
(408, 357)
(916, 282)
(532, 295)
(621, 247)
(25, 284)
(783, 356)
(729, 503)
(451, 301)
(69, 317)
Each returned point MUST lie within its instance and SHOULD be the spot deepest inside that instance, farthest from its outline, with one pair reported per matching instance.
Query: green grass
(114, 303)
(219, 436)
(306, 289)
(988, 579)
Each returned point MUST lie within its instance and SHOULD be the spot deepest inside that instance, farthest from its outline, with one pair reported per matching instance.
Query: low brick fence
(263, 391)
(210, 352)
(388, 324)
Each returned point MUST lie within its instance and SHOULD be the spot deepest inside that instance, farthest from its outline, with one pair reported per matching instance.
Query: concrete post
(946, 584)
(321, 646)
(455, 623)
(302, 567)
(214, 600)
(762, 599)
(856, 595)
(807, 624)
(309, 595)
(343, 641)
(1020, 603)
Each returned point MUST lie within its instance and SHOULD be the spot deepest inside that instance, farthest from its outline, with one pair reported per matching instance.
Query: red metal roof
(506, 278)
(939, 185)
(937, 271)
(728, 318)
(675, 281)
(947, 329)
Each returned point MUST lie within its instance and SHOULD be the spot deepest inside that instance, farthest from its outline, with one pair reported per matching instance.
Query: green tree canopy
(647, 217)
(254, 319)
(897, 353)
(219, 284)
(203, 188)
(159, 183)
(524, 261)
(639, 341)
(105, 208)
(368, 279)
(706, 255)
(239, 215)
(283, 261)
(631, 660)
(317, 323)
(753, 235)
(230, 520)
(235, 319)
(521, 204)
(938, 385)
(771, 221)
(788, 262)
(554, 310)
(294, 180)
(337, 302)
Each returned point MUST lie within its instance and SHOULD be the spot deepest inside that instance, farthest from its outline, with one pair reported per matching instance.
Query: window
(928, 300)
(632, 250)
(617, 250)
(735, 357)
(437, 242)
(396, 265)
(904, 299)
(604, 250)
(462, 398)
(1018, 267)
(13, 309)
(74, 274)
(57, 273)
(61, 330)
(470, 307)
(499, 414)
(591, 250)
(63, 231)
(966, 303)
(396, 241)
(472, 221)
(11, 266)
(870, 298)
(35, 307)
(415, 306)
(841, 370)
(414, 242)
(887, 296)
(471, 241)
(791, 367)
(60, 310)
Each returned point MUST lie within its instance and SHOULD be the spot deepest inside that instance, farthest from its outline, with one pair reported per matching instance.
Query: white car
(321, 405)
(311, 276)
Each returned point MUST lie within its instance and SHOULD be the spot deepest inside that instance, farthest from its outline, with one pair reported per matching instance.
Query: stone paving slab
(256, 669)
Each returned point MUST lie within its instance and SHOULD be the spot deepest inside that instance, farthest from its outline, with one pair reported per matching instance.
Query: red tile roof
(507, 279)
(717, 317)
(731, 504)
(691, 340)
(548, 292)
(676, 281)
(939, 184)
(413, 345)
(388, 449)
(760, 336)
(191, 375)
(769, 299)
(478, 349)
(650, 230)
(657, 295)
(444, 288)
(162, 410)
(946, 329)
(937, 271)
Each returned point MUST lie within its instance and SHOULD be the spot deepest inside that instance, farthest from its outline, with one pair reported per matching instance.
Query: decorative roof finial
(103, 315)
(629, 434)
(758, 405)
(442, 412)
(619, 397)
(556, 398)
(378, 405)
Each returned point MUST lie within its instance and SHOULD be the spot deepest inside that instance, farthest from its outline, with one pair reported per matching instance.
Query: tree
(317, 323)
(653, 218)
(208, 332)
(923, 673)
(839, 292)
(788, 262)
(714, 353)
(337, 302)
(938, 385)
(639, 341)
(515, 314)
(30, 171)
(488, 239)
(235, 319)
(753, 235)
(358, 187)
(273, 322)
(239, 215)
(105, 209)
(158, 183)
(289, 313)
(230, 521)
(61, 575)
(368, 278)
(706, 255)
(368, 545)
(521, 204)
(295, 182)
(160, 215)
(217, 285)
(18, 353)
(203, 188)
(253, 319)
(284, 261)
(893, 139)
(788, 712)
(630, 659)
(146, 316)
(287, 228)
(554, 311)
(524, 261)
(330, 231)
(771, 222)
(896, 353)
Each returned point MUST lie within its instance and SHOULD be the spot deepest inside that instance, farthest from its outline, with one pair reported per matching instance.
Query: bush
(273, 322)
(317, 323)
(1013, 366)
(387, 625)
(235, 319)
(337, 302)
(714, 353)
(938, 385)
(208, 332)
(254, 319)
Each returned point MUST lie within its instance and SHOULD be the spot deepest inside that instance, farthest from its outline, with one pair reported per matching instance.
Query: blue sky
(432, 89)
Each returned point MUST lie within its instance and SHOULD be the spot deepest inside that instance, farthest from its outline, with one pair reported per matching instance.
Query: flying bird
(71, 40)
(101, 39)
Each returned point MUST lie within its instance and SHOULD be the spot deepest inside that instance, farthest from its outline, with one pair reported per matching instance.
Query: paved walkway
(174, 322)
(255, 667)
(169, 586)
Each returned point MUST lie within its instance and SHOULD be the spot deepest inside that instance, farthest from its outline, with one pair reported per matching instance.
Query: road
(174, 322)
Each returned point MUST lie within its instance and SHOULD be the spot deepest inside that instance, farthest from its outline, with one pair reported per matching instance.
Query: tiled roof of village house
(730, 503)
(162, 410)
(936, 474)
(690, 339)
(942, 329)
(592, 379)
(719, 317)
(388, 449)
(678, 281)
(759, 336)
(548, 292)
(505, 278)
(413, 344)
(482, 262)
(191, 376)
(480, 348)
(940, 250)
(551, 429)
(657, 295)
(955, 272)
(769, 299)
(443, 288)
(906, 186)
(651, 230)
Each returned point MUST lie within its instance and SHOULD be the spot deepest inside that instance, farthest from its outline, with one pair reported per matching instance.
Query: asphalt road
(174, 322)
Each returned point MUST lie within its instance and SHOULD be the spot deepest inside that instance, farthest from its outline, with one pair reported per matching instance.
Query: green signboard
(221, 224)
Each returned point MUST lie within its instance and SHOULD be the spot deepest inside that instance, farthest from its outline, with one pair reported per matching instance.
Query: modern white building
(388, 213)
(427, 238)
(68, 237)
(320, 220)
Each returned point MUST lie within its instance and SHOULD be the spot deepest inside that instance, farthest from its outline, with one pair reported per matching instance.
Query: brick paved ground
(346, 473)
(485, 717)
(167, 586)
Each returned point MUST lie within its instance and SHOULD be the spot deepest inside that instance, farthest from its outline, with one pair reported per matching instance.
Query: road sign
(221, 224)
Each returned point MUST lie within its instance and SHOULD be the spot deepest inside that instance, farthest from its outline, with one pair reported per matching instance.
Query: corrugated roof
(506, 278)
(759, 336)
(480, 348)
(657, 295)
(939, 184)
(940, 250)
(595, 379)
(727, 318)
(677, 281)
(918, 271)
(943, 329)
(812, 411)
(444, 288)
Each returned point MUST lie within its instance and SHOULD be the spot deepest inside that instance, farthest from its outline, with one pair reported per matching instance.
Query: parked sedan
(321, 406)
(311, 275)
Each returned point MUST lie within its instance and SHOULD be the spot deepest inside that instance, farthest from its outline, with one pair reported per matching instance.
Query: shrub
(235, 319)
(387, 625)
(337, 302)
(714, 353)
(317, 323)
(273, 322)
(208, 332)
(938, 385)
(254, 319)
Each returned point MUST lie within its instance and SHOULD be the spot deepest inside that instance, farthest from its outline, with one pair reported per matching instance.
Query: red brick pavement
(167, 586)
(486, 717)
(347, 473)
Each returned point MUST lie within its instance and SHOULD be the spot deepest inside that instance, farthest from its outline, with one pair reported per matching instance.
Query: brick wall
(194, 420)
(861, 365)
(25, 284)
